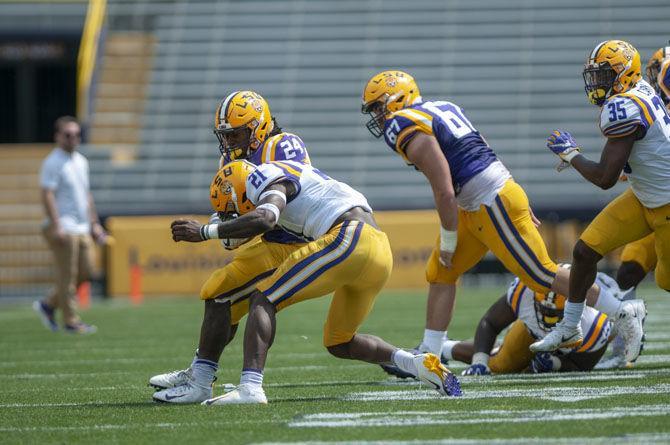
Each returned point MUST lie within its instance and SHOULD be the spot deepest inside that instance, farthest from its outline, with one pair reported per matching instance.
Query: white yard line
(452, 417)
(560, 393)
(627, 439)
(131, 426)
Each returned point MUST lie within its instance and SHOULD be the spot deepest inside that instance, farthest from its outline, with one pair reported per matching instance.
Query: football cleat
(561, 336)
(477, 369)
(171, 379)
(435, 374)
(81, 328)
(395, 371)
(46, 314)
(188, 392)
(612, 362)
(242, 394)
(629, 323)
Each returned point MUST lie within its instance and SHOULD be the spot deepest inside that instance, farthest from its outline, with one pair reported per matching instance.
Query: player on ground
(346, 254)
(481, 207)
(245, 129)
(637, 128)
(531, 315)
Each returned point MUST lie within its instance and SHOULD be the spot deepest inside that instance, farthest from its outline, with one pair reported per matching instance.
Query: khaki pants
(74, 263)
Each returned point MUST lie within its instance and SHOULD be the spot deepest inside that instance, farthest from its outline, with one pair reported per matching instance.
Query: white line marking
(560, 394)
(626, 439)
(656, 346)
(452, 417)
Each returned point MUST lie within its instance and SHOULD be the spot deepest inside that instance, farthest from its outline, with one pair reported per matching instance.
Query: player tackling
(346, 253)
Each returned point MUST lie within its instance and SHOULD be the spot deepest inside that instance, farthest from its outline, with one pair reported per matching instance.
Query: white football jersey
(648, 167)
(596, 326)
(320, 200)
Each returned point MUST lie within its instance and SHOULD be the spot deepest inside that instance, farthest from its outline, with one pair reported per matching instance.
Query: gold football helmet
(654, 68)
(227, 193)
(242, 123)
(613, 67)
(385, 93)
(549, 308)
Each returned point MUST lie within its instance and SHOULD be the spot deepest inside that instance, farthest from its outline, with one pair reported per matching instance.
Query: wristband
(570, 155)
(209, 231)
(448, 240)
(267, 193)
(480, 358)
(271, 208)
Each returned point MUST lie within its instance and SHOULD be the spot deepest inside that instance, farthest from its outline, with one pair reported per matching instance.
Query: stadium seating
(515, 78)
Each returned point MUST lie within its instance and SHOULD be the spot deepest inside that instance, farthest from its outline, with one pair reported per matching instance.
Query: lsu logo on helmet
(660, 60)
(385, 93)
(241, 124)
(227, 192)
(613, 67)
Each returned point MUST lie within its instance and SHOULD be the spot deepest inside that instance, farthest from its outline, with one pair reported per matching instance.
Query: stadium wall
(169, 268)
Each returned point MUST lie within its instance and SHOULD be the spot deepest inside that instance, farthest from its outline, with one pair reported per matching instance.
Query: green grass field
(58, 388)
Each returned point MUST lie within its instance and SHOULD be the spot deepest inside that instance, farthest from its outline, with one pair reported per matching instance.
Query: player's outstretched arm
(263, 218)
(604, 173)
(424, 152)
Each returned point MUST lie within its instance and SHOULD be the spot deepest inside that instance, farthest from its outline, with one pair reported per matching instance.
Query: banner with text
(144, 251)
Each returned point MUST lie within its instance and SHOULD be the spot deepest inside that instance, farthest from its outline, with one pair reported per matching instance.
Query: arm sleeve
(49, 174)
(622, 114)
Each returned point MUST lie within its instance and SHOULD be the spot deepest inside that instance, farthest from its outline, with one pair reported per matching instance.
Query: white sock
(195, 357)
(447, 347)
(572, 314)
(405, 361)
(203, 372)
(432, 341)
(253, 377)
(607, 302)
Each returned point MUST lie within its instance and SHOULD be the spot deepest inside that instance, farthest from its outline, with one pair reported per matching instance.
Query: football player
(658, 73)
(480, 206)
(637, 260)
(637, 127)
(346, 254)
(530, 315)
(245, 128)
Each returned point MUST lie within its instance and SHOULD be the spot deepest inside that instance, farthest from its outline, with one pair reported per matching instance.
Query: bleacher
(516, 70)
(514, 66)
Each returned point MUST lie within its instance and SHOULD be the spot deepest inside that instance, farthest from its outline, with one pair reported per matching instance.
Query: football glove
(477, 369)
(562, 144)
(544, 362)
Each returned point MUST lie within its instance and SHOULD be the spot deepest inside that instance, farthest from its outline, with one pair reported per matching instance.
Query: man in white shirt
(71, 225)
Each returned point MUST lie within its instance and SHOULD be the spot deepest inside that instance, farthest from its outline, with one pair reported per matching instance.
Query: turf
(59, 388)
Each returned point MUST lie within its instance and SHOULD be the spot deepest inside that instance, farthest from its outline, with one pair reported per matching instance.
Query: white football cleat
(612, 362)
(435, 374)
(629, 323)
(561, 336)
(171, 379)
(186, 393)
(242, 394)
